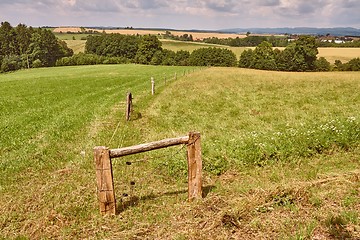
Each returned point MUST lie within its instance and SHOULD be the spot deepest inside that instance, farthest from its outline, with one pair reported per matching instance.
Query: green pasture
(191, 46)
(280, 153)
(71, 36)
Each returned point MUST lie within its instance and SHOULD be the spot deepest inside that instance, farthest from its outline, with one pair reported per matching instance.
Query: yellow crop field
(76, 45)
(343, 54)
(196, 35)
(332, 54)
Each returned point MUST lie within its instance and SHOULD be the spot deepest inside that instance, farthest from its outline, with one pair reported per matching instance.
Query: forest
(27, 47)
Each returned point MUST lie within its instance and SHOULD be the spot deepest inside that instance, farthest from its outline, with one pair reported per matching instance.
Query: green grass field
(71, 36)
(280, 153)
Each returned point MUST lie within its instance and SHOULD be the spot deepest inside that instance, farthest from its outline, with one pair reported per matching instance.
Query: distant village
(327, 38)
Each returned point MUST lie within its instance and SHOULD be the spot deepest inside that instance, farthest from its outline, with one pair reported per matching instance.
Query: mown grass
(49, 121)
(280, 151)
(71, 36)
(77, 46)
(191, 46)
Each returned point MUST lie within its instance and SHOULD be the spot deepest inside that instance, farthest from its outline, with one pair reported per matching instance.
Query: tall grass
(254, 117)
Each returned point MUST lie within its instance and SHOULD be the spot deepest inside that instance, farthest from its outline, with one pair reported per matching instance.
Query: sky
(183, 14)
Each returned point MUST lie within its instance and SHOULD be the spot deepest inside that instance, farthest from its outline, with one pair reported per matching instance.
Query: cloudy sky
(183, 14)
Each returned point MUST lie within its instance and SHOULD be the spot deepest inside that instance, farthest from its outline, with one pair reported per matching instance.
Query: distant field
(71, 36)
(76, 45)
(332, 54)
(191, 46)
(343, 54)
(196, 35)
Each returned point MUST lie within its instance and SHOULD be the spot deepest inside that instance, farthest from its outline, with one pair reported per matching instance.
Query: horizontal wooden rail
(104, 174)
(115, 153)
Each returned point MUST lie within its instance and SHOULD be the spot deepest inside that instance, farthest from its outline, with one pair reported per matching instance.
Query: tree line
(27, 47)
(117, 48)
(300, 56)
(249, 41)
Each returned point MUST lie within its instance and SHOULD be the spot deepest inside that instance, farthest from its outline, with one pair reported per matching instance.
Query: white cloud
(206, 14)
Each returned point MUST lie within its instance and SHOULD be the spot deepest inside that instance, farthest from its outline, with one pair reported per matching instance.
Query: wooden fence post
(175, 76)
(194, 166)
(104, 179)
(152, 86)
(128, 106)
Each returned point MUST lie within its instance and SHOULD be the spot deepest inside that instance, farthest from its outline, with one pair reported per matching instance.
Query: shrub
(353, 65)
(322, 65)
(212, 57)
(37, 63)
(11, 63)
(90, 59)
(246, 58)
(263, 57)
(182, 58)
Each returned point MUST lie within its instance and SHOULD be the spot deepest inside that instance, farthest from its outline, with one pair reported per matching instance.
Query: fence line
(104, 173)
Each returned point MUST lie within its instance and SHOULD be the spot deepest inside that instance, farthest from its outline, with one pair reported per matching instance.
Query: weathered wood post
(104, 179)
(175, 76)
(152, 86)
(194, 166)
(128, 106)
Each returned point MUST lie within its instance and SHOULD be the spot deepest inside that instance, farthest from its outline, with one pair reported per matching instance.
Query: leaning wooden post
(104, 179)
(194, 166)
(128, 106)
(152, 86)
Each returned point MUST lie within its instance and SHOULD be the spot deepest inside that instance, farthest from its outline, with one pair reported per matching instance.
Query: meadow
(280, 153)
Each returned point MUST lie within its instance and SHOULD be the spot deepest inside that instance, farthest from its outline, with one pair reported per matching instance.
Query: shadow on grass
(134, 200)
(207, 189)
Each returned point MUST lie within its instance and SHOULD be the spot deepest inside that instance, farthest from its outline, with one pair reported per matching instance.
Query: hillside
(280, 153)
(298, 30)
